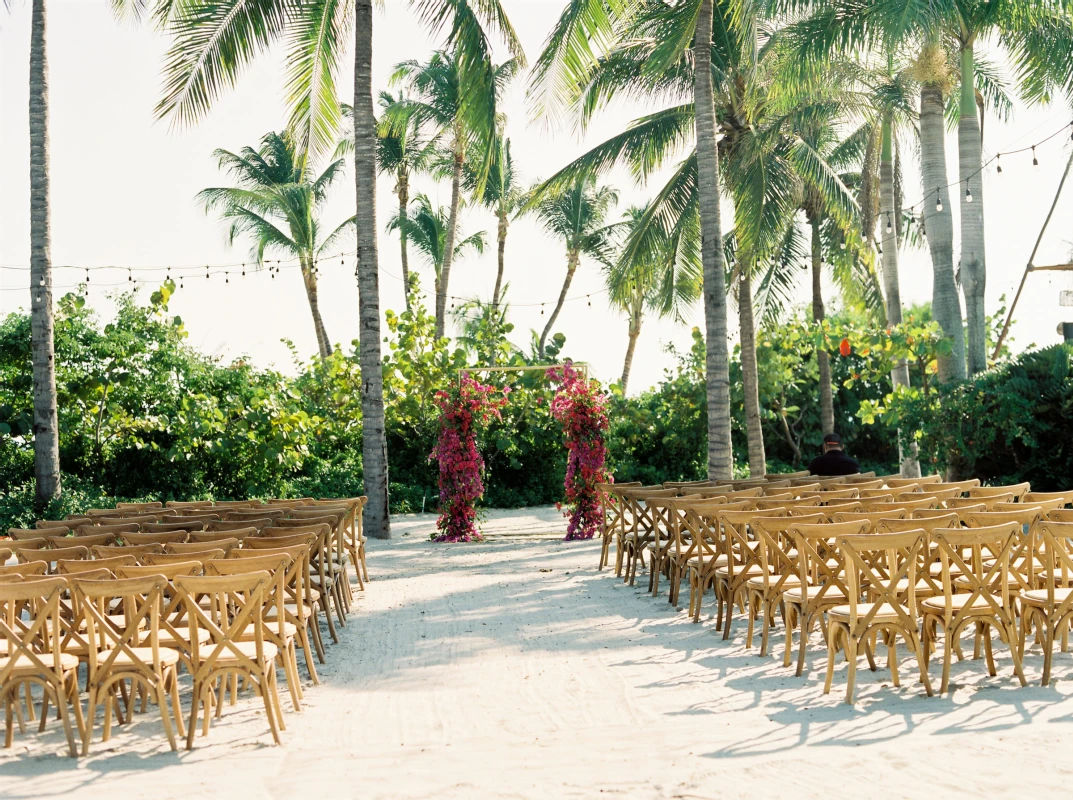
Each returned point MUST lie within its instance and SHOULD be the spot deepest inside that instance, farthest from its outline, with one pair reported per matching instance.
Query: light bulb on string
(1035, 161)
(842, 245)
(541, 309)
(206, 272)
(243, 270)
(890, 226)
(180, 281)
(130, 276)
(226, 278)
(589, 296)
(998, 163)
(923, 226)
(938, 201)
(87, 274)
(968, 193)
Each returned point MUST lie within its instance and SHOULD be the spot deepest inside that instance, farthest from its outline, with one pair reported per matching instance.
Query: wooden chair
(27, 534)
(661, 548)
(742, 563)
(198, 548)
(321, 578)
(236, 610)
(778, 563)
(873, 518)
(147, 506)
(1025, 564)
(246, 515)
(61, 524)
(50, 557)
(191, 515)
(696, 547)
(1018, 490)
(855, 625)
(1035, 497)
(639, 528)
(353, 533)
(32, 653)
(1050, 608)
(162, 538)
(139, 551)
(168, 559)
(976, 591)
(178, 504)
(230, 525)
(335, 554)
(208, 537)
(276, 628)
(96, 530)
(78, 566)
(611, 506)
(125, 652)
(909, 505)
(895, 483)
(821, 584)
(1045, 506)
(171, 527)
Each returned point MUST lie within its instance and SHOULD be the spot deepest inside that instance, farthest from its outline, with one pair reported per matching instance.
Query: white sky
(123, 190)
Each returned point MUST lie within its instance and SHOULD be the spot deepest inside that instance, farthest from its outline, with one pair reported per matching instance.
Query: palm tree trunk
(823, 358)
(717, 366)
(404, 206)
(502, 263)
(940, 230)
(449, 244)
(888, 210)
(636, 318)
(43, 357)
(973, 246)
(571, 267)
(324, 344)
(374, 437)
(749, 381)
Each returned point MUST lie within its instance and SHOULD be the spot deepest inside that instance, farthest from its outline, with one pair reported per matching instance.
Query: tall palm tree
(665, 279)
(463, 124)
(401, 151)
(215, 40)
(46, 423)
(278, 207)
(502, 194)
(427, 230)
(577, 216)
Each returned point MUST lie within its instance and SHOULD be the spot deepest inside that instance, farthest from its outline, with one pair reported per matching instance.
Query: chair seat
(795, 594)
(307, 611)
(168, 639)
(248, 649)
(757, 583)
(24, 666)
(957, 602)
(922, 586)
(886, 612)
(290, 630)
(724, 571)
(964, 583)
(1038, 597)
(144, 655)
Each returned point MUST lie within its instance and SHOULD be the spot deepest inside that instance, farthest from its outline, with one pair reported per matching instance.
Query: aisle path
(513, 669)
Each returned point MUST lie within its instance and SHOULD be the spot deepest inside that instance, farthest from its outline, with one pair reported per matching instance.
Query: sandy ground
(513, 669)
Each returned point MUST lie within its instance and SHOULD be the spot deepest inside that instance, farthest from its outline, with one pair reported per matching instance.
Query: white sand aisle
(467, 672)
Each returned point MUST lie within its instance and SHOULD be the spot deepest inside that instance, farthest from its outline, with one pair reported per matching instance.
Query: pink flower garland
(462, 409)
(581, 408)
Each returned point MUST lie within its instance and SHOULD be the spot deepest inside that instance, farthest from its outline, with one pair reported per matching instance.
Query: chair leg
(165, 717)
(195, 703)
(91, 717)
(61, 704)
(851, 671)
(176, 706)
(1018, 667)
(920, 662)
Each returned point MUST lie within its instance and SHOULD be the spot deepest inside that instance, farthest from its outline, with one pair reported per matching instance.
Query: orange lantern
(844, 347)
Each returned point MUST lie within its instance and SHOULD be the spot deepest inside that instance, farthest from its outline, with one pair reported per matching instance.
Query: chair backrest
(1045, 506)
(157, 537)
(827, 495)
(32, 640)
(122, 527)
(62, 524)
(302, 524)
(1034, 497)
(236, 504)
(169, 571)
(927, 513)
(679, 484)
(28, 570)
(124, 519)
(1018, 490)
(167, 559)
(775, 545)
(245, 515)
(1061, 515)
(200, 547)
(927, 524)
(139, 551)
(736, 538)
(985, 574)
(16, 546)
(285, 539)
(125, 644)
(185, 516)
(110, 564)
(177, 504)
(23, 534)
(909, 505)
(899, 482)
(238, 534)
(1027, 515)
(871, 517)
(152, 505)
(885, 563)
(870, 494)
(820, 563)
(1056, 539)
(58, 554)
(169, 527)
(228, 525)
(988, 503)
(80, 541)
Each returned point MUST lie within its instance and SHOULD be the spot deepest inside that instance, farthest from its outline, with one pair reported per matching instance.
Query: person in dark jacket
(834, 460)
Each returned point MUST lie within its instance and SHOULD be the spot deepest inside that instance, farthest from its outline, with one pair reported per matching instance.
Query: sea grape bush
(463, 409)
(581, 408)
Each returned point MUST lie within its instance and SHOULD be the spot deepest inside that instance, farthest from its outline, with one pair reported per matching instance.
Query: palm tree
(401, 152)
(665, 280)
(463, 126)
(594, 51)
(46, 423)
(503, 195)
(278, 207)
(215, 40)
(427, 229)
(577, 215)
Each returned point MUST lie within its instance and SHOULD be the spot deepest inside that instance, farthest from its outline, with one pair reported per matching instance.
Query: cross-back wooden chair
(171, 527)
(336, 557)
(873, 518)
(856, 624)
(927, 501)
(742, 563)
(611, 506)
(118, 529)
(639, 526)
(30, 620)
(235, 609)
(353, 533)
(63, 524)
(895, 483)
(300, 606)
(51, 556)
(700, 547)
(1035, 497)
(153, 505)
(319, 578)
(1045, 506)
(1050, 609)
(80, 541)
(778, 563)
(26, 534)
(277, 629)
(660, 548)
(127, 652)
(989, 503)
(1025, 562)
(164, 538)
(168, 559)
(976, 591)
(821, 583)
(207, 537)
(1018, 490)
(198, 548)
(139, 551)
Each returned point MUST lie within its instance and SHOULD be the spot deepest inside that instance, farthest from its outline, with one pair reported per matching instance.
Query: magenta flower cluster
(462, 410)
(581, 408)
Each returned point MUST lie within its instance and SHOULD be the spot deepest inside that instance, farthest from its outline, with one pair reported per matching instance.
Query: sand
(513, 669)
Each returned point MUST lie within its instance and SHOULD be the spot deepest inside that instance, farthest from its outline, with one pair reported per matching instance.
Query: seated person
(834, 460)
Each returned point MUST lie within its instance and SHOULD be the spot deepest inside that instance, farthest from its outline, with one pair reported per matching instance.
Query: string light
(968, 193)
(226, 278)
(1035, 161)
(541, 309)
(938, 201)
(842, 244)
(589, 296)
(923, 226)
(243, 270)
(87, 274)
(998, 163)
(206, 272)
(130, 276)
(890, 227)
